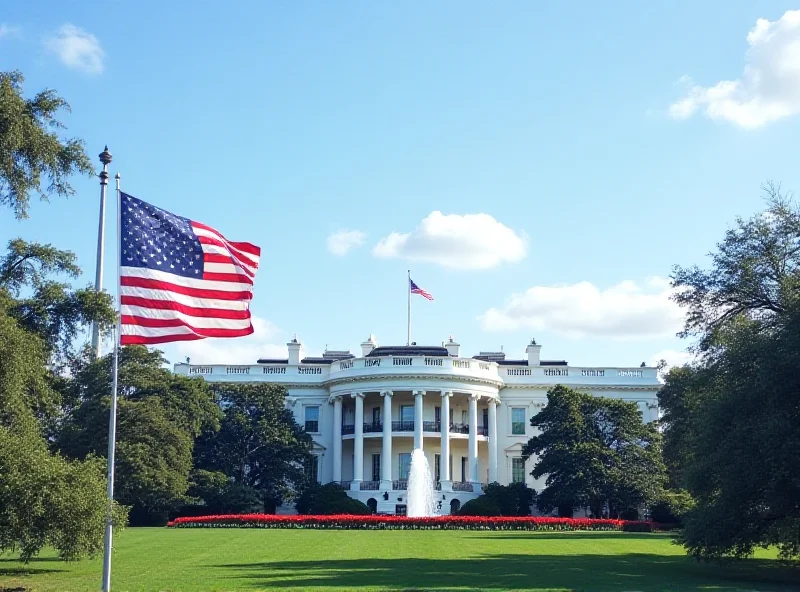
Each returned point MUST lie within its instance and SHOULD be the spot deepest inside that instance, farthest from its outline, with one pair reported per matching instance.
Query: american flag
(181, 280)
(415, 289)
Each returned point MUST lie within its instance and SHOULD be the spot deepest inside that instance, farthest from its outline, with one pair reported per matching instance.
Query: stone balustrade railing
(468, 367)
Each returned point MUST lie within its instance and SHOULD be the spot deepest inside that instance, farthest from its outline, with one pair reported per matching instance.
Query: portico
(428, 420)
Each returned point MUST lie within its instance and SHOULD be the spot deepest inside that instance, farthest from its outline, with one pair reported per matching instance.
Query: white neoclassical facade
(470, 415)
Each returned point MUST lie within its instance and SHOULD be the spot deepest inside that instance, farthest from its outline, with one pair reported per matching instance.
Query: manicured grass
(254, 559)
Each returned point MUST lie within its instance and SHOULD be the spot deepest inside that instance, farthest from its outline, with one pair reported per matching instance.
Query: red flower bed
(387, 522)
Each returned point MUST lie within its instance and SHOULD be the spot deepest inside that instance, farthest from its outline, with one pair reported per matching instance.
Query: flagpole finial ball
(105, 156)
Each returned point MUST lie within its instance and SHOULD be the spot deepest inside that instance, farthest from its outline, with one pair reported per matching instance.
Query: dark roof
(525, 363)
(408, 350)
(272, 361)
(337, 355)
(317, 361)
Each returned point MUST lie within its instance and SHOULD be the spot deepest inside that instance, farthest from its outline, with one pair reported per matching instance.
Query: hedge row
(388, 522)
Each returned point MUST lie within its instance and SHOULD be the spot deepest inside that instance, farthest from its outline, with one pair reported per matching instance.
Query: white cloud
(244, 350)
(339, 243)
(627, 310)
(77, 49)
(769, 88)
(672, 357)
(9, 30)
(471, 241)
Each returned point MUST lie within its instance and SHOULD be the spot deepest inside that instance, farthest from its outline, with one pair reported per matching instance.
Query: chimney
(368, 346)
(295, 350)
(452, 347)
(533, 351)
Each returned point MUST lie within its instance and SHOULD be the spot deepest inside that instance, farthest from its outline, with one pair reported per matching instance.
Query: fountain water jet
(421, 493)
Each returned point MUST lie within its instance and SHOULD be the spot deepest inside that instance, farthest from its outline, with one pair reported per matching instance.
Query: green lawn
(233, 559)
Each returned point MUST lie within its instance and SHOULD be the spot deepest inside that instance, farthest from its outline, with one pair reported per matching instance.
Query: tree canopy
(732, 418)
(595, 452)
(259, 443)
(33, 158)
(159, 415)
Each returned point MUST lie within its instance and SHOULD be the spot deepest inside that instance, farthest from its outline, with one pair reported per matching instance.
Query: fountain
(421, 495)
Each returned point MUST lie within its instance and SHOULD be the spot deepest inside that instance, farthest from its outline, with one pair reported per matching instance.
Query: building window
(405, 465)
(463, 469)
(376, 416)
(407, 418)
(437, 417)
(312, 469)
(486, 422)
(312, 419)
(376, 467)
(464, 419)
(518, 421)
(518, 470)
(437, 467)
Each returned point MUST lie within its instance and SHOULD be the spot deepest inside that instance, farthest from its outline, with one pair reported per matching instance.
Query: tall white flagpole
(112, 421)
(105, 158)
(408, 291)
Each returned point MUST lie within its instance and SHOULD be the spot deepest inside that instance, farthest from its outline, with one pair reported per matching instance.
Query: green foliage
(33, 159)
(595, 452)
(754, 273)
(732, 419)
(672, 507)
(159, 414)
(217, 494)
(328, 499)
(515, 499)
(480, 506)
(636, 526)
(259, 444)
(44, 499)
(51, 309)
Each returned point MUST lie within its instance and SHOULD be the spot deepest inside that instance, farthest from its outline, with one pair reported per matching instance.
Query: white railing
(468, 367)
(572, 375)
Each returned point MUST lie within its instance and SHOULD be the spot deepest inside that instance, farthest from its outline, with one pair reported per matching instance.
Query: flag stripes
(181, 280)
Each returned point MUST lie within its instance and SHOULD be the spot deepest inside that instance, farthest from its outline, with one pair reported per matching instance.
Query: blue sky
(575, 151)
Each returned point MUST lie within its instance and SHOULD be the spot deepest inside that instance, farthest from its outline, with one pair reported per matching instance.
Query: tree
(753, 273)
(51, 309)
(44, 499)
(259, 443)
(596, 453)
(159, 415)
(732, 420)
(31, 152)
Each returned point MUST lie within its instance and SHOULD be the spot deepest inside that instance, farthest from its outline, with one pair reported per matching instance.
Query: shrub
(630, 514)
(512, 500)
(635, 526)
(328, 499)
(480, 506)
(672, 507)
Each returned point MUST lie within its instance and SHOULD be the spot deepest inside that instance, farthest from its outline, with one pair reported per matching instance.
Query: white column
(358, 442)
(472, 461)
(444, 458)
(337, 438)
(386, 451)
(492, 440)
(418, 419)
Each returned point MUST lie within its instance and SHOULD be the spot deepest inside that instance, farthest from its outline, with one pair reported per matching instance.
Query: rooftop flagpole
(408, 292)
(112, 421)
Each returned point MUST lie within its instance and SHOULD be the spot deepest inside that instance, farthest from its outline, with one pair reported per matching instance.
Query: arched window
(455, 505)
(372, 504)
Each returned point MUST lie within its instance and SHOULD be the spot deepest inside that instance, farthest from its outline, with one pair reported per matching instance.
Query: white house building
(469, 415)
